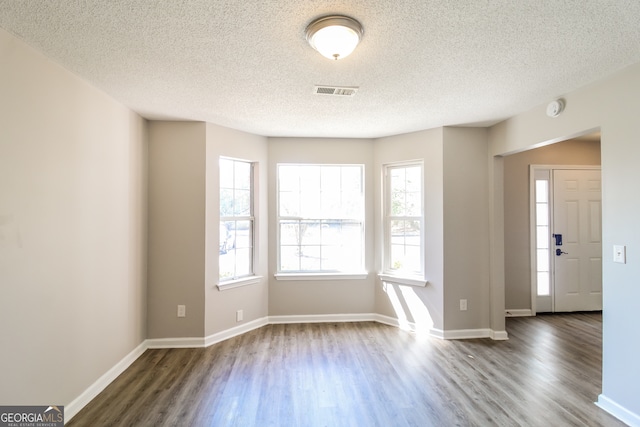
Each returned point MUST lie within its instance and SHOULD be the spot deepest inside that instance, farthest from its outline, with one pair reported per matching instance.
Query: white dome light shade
(335, 37)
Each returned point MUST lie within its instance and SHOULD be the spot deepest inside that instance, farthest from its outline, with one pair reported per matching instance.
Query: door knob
(560, 252)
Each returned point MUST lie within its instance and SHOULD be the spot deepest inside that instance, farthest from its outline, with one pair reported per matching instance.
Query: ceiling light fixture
(335, 37)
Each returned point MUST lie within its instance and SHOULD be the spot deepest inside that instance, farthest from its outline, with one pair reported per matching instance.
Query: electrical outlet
(463, 305)
(239, 315)
(182, 311)
(620, 254)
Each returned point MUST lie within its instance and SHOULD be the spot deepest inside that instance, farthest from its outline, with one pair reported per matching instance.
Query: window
(543, 273)
(236, 219)
(403, 220)
(320, 218)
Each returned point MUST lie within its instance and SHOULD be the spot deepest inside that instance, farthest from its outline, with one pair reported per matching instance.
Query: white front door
(577, 254)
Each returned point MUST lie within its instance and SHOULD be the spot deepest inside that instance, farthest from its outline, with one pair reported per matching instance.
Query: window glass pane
(352, 205)
(543, 260)
(242, 175)
(226, 202)
(403, 198)
(289, 204)
(543, 283)
(330, 177)
(310, 180)
(542, 237)
(226, 267)
(289, 233)
(332, 258)
(332, 233)
(242, 205)
(413, 207)
(397, 180)
(289, 258)
(542, 214)
(351, 180)
(398, 257)
(414, 179)
(243, 262)
(310, 232)
(542, 191)
(330, 202)
(235, 232)
(352, 232)
(310, 201)
(412, 233)
(226, 173)
(288, 178)
(225, 237)
(398, 204)
(412, 259)
(350, 258)
(243, 234)
(397, 232)
(310, 258)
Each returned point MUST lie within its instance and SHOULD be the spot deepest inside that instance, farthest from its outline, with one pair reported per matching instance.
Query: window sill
(244, 281)
(403, 280)
(321, 276)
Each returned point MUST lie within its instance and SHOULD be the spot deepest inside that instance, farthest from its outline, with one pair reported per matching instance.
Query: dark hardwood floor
(367, 374)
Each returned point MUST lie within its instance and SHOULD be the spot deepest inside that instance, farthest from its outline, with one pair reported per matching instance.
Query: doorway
(519, 293)
(566, 238)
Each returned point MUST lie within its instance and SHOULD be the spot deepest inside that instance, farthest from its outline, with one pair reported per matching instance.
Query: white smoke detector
(555, 108)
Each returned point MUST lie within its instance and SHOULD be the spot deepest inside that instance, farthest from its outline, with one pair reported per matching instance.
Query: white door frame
(532, 224)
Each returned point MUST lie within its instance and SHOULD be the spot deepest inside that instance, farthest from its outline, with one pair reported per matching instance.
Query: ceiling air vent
(335, 91)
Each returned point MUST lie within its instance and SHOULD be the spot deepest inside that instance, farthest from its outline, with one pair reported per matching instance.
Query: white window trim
(322, 276)
(403, 280)
(390, 275)
(237, 283)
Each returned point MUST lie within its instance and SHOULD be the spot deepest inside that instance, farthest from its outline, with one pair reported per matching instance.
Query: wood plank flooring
(367, 374)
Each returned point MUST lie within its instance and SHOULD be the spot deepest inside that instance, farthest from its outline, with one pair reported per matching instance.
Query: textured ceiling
(246, 64)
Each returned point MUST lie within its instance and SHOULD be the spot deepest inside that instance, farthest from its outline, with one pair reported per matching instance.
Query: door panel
(577, 216)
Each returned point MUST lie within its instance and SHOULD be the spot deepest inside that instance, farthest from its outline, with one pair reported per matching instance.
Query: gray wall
(516, 204)
(321, 297)
(456, 229)
(611, 105)
(221, 306)
(72, 230)
(423, 306)
(466, 229)
(177, 171)
(183, 230)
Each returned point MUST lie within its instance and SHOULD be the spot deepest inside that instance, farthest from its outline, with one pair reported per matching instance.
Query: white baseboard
(620, 412)
(403, 324)
(439, 333)
(235, 331)
(322, 318)
(499, 335)
(190, 342)
(392, 321)
(518, 312)
(101, 383)
(461, 334)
